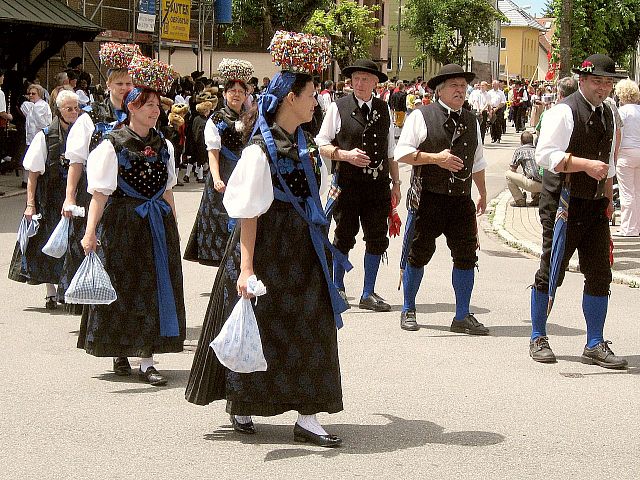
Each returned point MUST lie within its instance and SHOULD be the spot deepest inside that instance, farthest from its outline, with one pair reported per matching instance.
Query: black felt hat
(364, 65)
(450, 71)
(598, 65)
(196, 74)
(74, 62)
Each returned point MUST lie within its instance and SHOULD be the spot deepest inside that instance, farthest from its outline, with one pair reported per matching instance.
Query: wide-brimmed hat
(450, 71)
(365, 65)
(599, 65)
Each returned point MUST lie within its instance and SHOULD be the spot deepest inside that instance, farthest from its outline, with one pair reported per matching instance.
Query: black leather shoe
(186, 179)
(200, 180)
(602, 355)
(51, 303)
(247, 428)
(152, 377)
(343, 294)
(375, 303)
(408, 321)
(540, 351)
(303, 435)
(469, 325)
(121, 366)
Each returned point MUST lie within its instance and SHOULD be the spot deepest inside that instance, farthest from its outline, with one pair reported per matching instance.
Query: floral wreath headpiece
(300, 52)
(153, 74)
(118, 55)
(236, 69)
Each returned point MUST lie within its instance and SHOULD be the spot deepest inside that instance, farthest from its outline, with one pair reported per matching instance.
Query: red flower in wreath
(149, 152)
(586, 66)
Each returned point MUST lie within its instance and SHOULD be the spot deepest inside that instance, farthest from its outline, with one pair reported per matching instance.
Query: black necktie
(598, 114)
(365, 111)
(455, 116)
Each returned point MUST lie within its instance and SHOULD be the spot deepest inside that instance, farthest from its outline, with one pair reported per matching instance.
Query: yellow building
(519, 42)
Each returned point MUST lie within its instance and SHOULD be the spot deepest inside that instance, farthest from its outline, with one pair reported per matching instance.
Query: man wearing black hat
(77, 66)
(444, 146)
(357, 134)
(577, 138)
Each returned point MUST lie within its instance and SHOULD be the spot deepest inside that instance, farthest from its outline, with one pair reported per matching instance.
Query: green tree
(351, 28)
(600, 26)
(271, 15)
(444, 29)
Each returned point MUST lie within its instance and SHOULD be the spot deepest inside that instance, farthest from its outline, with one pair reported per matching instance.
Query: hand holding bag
(238, 345)
(57, 244)
(91, 284)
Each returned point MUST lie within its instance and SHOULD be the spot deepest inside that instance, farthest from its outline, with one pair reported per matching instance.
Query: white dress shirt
(415, 132)
(3, 102)
(249, 191)
(331, 126)
(102, 169)
(555, 134)
(212, 138)
(496, 98)
(36, 157)
(630, 115)
(38, 116)
(479, 100)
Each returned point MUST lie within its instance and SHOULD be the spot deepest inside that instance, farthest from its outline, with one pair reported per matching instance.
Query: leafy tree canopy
(351, 28)
(444, 29)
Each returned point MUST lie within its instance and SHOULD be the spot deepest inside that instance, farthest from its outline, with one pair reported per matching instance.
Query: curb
(496, 225)
(13, 194)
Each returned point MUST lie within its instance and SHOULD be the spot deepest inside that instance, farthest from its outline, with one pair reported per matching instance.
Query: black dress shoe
(186, 179)
(247, 428)
(602, 355)
(51, 303)
(540, 350)
(375, 303)
(469, 325)
(121, 366)
(408, 321)
(200, 180)
(152, 377)
(343, 294)
(303, 435)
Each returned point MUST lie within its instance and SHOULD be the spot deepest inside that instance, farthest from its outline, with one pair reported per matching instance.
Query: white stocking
(51, 290)
(243, 419)
(146, 363)
(310, 422)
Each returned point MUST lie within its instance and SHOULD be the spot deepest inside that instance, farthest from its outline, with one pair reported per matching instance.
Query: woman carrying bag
(130, 175)
(274, 191)
(46, 185)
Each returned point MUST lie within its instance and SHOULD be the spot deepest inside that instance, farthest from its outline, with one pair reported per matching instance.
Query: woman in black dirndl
(46, 185)
(297, 317)
(130, 175)
(223, 140)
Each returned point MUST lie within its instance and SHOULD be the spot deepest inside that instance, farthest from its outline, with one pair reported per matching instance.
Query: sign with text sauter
(176, 17)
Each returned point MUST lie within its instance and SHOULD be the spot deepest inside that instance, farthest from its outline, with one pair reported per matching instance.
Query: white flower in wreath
(239, 126)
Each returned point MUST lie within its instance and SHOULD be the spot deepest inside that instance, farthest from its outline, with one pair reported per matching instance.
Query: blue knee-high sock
(463, 286)
(411, 278)
(371, 265)
(338, 274)
(595, 312)
(539, 302)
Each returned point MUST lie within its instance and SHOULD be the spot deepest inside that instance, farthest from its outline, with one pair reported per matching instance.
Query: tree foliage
(601, 26)
(271, 15)
(444, 29)
(351, 28)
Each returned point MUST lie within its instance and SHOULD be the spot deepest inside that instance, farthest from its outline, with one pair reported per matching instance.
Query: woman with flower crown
(130, 175)
(223, 139)
(274, 191)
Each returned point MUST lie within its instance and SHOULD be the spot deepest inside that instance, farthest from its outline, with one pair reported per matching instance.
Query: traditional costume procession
(101, 210)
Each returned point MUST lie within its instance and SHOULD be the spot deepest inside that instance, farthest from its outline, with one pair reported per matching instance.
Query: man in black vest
(357, 134)
(443, 144)
(577, 138)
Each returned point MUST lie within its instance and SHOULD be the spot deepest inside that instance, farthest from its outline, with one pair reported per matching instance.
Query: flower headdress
(153, 74)
(118, 55)
(235, 69)
(300, 52)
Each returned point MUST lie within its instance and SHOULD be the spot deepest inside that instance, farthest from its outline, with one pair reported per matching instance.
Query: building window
(503, 43)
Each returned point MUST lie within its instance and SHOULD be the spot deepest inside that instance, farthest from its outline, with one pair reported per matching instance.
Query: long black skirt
(210, 232)
(295, 319)
(35, 267)
(130, 326)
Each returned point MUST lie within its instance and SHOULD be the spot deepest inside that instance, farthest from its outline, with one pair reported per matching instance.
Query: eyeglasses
(70, 109)
(32, 93)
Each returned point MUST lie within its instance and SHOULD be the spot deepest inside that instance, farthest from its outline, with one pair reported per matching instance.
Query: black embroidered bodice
(225, 120)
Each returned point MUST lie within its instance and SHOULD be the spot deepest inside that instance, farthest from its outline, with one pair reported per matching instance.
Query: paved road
(426, 404)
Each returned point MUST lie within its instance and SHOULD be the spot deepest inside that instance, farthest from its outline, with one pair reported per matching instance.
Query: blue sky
(537, 6)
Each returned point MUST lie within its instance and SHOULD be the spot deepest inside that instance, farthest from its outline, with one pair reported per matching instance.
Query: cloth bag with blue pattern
(91, 284)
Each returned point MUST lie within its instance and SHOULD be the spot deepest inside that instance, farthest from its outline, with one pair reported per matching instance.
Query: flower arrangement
(150, 73)
(586, 67)
(235, 69)
(118, 55)
(300, 52)
(149, 152)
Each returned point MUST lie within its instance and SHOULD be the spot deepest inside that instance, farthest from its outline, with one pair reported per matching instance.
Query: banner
(176, 17)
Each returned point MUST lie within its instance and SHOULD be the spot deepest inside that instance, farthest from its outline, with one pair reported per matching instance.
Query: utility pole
(398, 52)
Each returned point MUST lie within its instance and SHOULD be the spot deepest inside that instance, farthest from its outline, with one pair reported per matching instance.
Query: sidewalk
(10, 184)
(520, 228)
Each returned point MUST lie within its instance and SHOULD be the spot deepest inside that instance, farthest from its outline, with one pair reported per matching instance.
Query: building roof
(44, 13)
(516, 16)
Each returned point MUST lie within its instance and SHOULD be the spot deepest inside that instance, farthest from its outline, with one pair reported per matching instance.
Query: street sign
(146, 22)
(147, 6)
(176, 18)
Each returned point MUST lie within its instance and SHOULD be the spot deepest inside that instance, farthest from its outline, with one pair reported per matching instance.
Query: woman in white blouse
(628, 165)
(130, 175)
(47, 171)
(274, 191)
(36, 112)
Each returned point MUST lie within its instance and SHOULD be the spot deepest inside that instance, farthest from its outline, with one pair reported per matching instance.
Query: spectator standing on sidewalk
(628, 166)
(577, 138)
(530, 180)
(37, 115)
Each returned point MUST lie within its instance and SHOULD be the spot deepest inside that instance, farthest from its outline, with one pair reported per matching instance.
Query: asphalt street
(425, 404)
